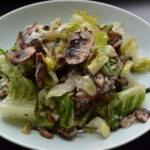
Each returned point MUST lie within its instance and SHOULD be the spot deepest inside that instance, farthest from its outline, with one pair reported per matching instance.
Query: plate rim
(20, 143)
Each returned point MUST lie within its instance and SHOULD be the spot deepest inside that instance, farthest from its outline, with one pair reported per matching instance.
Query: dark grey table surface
(140, 8)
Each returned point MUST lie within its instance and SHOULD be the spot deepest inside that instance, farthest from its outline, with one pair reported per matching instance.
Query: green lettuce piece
(72, 27)
(130, 49)
(51, 65)
(13, 48)
(126, 72)
(53, 79)
(142, 64)
(61, 89)
(126, 68)
(5, 67)
(42, 109)
(2, 52)
(82, 17)
(107, 27)
(98, 56)
(110, 50)
(85, 83)
(19, 110)
(100, 39)
(123, 103)
(66, 111)
(80, 82)
(100, 125)
(97, 63)
(4, 83)
(112, 68)
(21, 89)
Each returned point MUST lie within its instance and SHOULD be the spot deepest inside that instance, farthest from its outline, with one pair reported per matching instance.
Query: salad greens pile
(70, 77)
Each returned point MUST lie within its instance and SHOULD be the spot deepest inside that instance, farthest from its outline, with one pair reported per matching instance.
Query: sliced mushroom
(115, 39)
(79, 47)
(40, 70)
(20, 42)
(21, 56)
(142, 115)
(23, 37)
(33, 27)
(127, 121)
(45, 133)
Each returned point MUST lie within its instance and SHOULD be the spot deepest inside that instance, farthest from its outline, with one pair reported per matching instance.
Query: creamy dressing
(32, 37)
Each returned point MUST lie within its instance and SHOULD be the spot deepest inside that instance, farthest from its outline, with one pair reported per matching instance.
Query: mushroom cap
(79, 47)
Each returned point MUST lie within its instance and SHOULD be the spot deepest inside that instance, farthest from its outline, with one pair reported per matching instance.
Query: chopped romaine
(66, 111)
(123, 103)
(82, 17)
(97, 63)
(19, 110)
(130, 49)
(100, 125)
(2, 52)
(142, 64)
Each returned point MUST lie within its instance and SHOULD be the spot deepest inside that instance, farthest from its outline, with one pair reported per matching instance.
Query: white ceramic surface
(45, 12)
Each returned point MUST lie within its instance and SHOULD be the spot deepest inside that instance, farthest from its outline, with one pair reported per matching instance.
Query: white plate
(45, 12)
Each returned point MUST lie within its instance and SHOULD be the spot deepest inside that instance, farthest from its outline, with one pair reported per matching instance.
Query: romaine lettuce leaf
(85, 83)
(130, 49)
(51, 65)
(80, 82)
(82, 17)
(110, 50)
(2, 52)
(5, 67)
(112, 68)
(72, 27)
(21, 89)
(126, 72)
(42, 109)
(142, 64)
(97, 63)
(66, 111)
(129, 45)
(100, 125)
(61, 89)
(22, 111)
(100, 39)
(123, 103)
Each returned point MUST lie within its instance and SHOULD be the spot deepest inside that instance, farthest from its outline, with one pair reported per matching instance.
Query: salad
(74, 77)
